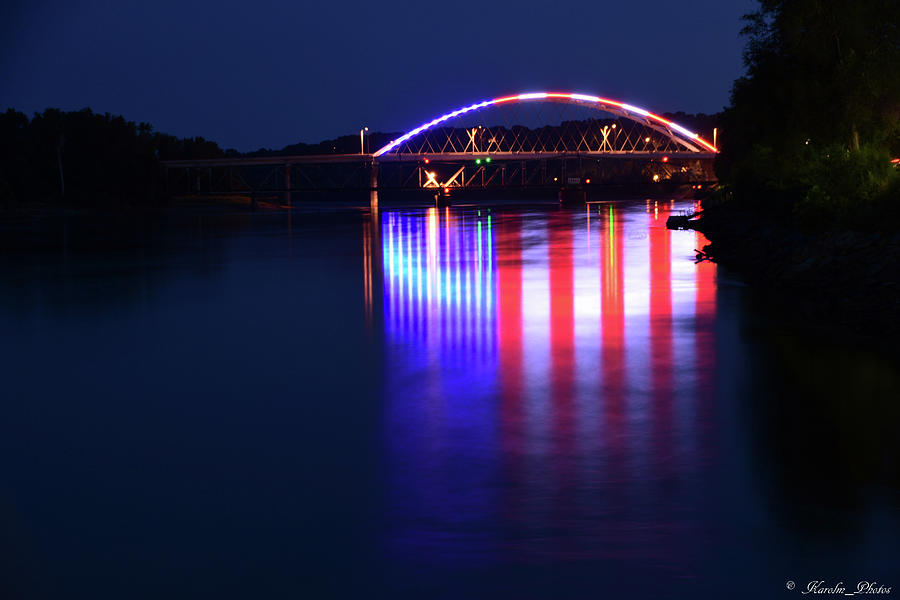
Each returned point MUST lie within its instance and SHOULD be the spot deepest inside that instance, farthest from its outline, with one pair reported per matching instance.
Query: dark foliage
(816, 119)
(84, 159)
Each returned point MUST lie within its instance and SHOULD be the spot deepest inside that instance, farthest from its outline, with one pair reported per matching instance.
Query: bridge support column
(373, 185)
(287, 185)
(373, 176)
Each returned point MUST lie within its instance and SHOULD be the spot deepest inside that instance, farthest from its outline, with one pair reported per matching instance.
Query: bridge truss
(548, 122)
(529, 140)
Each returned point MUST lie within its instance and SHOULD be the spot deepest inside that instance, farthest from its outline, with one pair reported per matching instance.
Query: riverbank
(837, 284)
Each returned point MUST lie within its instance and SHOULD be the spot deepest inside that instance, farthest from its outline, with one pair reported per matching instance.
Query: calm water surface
(427, 403)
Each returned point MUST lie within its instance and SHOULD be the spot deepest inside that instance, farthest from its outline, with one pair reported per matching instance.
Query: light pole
(362, 142)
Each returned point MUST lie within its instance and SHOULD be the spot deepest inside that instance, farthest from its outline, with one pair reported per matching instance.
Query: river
(477, 401)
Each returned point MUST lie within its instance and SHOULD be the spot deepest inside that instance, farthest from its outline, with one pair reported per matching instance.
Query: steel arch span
(679, 135)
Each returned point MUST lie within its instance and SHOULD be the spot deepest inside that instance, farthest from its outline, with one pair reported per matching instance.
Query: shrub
(849, 189)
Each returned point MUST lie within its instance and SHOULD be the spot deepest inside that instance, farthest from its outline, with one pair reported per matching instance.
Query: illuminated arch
(674, 131)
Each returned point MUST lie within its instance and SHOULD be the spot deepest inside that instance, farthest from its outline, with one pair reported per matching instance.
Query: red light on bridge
(427, 161)
(665, 159)
(588, 180)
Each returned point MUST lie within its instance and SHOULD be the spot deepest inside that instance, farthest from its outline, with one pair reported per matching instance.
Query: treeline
(813, 126)
(82, 158)
(350, 144)
(345, 144)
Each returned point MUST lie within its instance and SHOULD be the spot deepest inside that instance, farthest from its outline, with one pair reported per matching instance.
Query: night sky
(268, 74)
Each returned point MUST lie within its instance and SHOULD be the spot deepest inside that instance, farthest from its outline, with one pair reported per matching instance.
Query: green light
(488, 159)
(477, 161)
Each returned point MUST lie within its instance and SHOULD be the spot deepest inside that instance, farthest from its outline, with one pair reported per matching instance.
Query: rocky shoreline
(842, 285)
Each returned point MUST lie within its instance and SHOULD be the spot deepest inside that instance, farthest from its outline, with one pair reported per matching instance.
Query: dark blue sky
(270, 73)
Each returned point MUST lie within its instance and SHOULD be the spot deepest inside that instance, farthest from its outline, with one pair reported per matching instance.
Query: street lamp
(362, 142)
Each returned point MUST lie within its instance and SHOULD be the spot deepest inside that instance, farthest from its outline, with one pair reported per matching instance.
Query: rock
(677, 222)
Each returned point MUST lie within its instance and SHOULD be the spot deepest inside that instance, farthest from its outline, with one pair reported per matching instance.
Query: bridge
(542, 139)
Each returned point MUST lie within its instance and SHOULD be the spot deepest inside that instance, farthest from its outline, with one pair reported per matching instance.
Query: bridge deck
(314, 159)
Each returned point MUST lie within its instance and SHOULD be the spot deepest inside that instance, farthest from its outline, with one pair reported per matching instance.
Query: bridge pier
(287, 184)
(373, 175)
(373, 187)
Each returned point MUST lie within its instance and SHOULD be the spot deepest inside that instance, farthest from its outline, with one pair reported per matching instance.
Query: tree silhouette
(82, 158)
